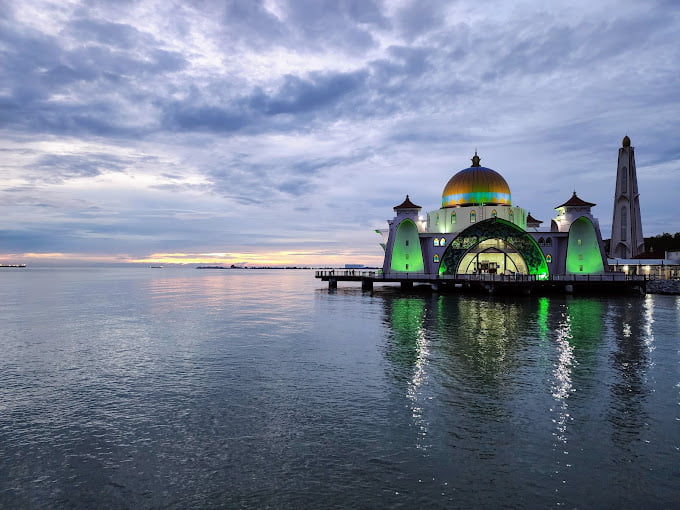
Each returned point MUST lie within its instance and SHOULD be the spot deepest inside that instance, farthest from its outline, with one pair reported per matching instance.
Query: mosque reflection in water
(478, 372)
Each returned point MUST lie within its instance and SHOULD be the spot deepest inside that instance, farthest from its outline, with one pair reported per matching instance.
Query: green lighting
(494, 228)
(406, 253)
(583, 249)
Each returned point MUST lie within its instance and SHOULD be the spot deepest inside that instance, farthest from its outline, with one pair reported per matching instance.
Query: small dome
(476, 185)
(626, 141)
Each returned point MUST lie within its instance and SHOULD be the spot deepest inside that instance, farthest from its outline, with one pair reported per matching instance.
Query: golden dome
(476, 185)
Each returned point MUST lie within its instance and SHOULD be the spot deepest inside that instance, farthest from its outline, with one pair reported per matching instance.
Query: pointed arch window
(494, 213)
(624, 224)
(473, 216)
(453, 217)
(435, 259)
(548, 258)
(435, 242)
(624, 179)
(541, 241)
(548, 241)
(442, 242)
(511, 215)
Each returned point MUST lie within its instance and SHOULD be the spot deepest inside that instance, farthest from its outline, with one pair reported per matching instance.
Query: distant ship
(13, 265)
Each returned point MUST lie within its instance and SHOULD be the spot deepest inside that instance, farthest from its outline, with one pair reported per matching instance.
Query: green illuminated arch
(494, 228)
(406, 253)
(583, 249)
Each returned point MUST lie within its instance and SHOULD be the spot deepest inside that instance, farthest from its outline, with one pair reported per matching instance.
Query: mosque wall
(454, 219)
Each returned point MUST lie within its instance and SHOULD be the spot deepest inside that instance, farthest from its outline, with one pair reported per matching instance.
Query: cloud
(149, 126)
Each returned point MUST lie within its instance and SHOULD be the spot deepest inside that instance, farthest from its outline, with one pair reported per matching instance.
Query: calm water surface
(176, 388)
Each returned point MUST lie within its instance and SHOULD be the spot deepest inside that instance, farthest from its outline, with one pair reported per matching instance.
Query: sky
(283, 132)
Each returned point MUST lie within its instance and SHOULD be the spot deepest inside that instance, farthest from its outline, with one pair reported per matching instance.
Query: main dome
(476, 185)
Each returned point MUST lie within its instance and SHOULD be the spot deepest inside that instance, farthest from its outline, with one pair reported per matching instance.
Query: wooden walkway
(492, 283)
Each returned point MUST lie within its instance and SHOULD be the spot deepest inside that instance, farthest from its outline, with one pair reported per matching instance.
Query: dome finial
(475, 159)
(626, 141)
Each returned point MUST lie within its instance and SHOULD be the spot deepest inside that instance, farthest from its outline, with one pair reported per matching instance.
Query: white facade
(454, 219)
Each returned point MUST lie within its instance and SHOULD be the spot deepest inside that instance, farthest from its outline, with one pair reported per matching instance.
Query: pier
(493, 283)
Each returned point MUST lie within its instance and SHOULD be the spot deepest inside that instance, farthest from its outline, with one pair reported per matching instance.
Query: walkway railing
(379, 275)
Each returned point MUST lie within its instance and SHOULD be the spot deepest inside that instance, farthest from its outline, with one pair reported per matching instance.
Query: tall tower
(627, 240)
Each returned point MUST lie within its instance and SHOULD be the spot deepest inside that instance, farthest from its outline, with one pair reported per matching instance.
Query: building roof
(575, 201)
(476, 185)
(407, 204)
(531, 219)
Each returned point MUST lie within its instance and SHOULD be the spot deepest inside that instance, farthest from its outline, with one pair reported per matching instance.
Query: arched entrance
(494, 246)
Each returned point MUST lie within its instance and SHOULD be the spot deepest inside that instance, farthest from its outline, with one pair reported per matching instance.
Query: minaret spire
(627, 240)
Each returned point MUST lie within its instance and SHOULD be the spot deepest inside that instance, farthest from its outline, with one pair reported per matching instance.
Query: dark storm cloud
(100, 77)
(295, 96)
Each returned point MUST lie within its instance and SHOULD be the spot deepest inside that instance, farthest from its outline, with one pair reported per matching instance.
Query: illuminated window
(453, 217)
(511, 215)
(473, 217)
(548, 258)
(442, 242)
(494, 213)
(435, 242)
(579, 242)
(435, 259)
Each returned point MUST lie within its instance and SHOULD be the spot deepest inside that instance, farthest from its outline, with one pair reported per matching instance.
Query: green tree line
(662, 243)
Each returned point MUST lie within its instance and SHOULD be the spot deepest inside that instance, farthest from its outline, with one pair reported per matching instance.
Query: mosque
(479, 230)
(478, 239)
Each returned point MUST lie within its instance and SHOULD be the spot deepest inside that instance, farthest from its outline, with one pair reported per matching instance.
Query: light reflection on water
(178, 388)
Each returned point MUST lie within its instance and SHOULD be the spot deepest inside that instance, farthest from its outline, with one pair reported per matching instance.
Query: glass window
(453, 217)
(407, 242)
(511, 215)
(435, 259)
(579, 242)
(442, 242)
(548, 241)
(435, 242)
(580, 268)
(473, 217)
(494, 213)
(548, 258)
(541, 241)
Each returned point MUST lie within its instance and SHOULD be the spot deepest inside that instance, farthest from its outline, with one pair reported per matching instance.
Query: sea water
(176, 387)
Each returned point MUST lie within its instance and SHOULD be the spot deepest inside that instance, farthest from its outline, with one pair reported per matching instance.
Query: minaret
(626, 241)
